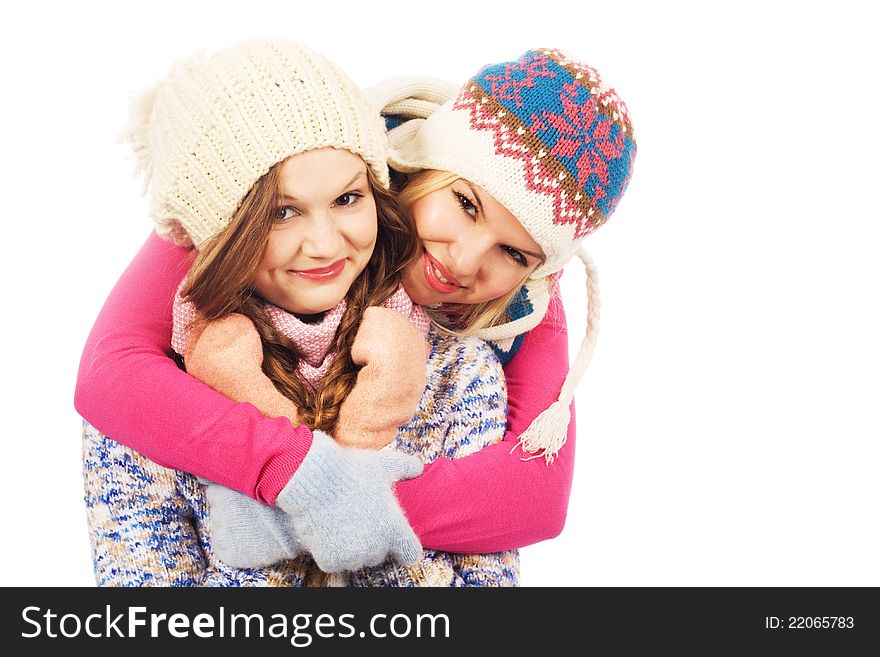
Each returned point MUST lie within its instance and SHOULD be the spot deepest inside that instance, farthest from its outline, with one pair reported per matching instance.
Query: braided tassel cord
(548, 432)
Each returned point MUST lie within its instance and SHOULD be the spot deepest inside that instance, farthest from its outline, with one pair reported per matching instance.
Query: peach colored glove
(228, 356)
(393, 353)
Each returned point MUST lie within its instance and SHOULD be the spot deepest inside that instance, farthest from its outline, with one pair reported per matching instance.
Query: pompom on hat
(216, 124)
(551, 142)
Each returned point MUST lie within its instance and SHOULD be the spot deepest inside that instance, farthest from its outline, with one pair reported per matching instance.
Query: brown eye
(348, 199)
(285, 213)
(466, 204)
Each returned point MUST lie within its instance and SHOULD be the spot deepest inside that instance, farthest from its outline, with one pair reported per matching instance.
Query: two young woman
(542, 152)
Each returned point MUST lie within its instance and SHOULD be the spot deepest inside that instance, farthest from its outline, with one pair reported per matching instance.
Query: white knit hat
(553, 144)
(205, 134)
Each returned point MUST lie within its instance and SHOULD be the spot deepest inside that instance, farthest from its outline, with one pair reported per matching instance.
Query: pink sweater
(131, 390)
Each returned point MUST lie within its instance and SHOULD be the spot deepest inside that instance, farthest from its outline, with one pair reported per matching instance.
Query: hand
(343, 508)
(389, 386)
(228, 356)
(233, 340)
(247, 534)
(382, 334)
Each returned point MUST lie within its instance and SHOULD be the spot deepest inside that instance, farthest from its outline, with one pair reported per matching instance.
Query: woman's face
(473, 248)
(324, 233)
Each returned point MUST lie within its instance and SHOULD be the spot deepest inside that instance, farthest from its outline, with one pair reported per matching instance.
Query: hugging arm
(494, 499)
(129, 388)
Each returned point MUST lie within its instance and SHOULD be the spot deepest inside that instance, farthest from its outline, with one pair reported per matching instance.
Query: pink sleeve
(493, 500)
(130, 389)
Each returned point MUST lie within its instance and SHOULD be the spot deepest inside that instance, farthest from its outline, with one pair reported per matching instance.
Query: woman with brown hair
(273, 166)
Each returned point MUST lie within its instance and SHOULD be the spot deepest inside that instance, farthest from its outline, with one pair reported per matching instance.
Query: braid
(342, 373)
(280, 359)
(373, 287)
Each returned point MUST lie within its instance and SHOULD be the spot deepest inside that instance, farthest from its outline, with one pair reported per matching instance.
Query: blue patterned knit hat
(543, 134)
(551, 142)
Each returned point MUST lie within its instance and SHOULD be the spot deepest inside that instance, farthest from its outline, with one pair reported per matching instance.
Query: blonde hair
(458, 319)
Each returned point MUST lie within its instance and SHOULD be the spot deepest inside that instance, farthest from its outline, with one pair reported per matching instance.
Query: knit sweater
(127, 383)
(151, 526)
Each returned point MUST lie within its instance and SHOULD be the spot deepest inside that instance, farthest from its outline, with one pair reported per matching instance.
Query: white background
(728, 425)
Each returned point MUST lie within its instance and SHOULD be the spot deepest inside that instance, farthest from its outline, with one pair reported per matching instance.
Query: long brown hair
(221, 281)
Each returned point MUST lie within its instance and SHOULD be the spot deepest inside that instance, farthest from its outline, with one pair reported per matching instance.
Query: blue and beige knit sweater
(149, 526)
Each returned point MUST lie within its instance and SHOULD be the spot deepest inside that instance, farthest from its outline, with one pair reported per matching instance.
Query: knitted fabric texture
(205, 134)
(543, 134)
(463, 410)
(149, 526)
(312, 340)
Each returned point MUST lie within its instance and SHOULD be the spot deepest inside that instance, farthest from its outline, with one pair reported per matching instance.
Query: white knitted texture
(548, 432)
(445, 141)
(216, 124)
(411, 95)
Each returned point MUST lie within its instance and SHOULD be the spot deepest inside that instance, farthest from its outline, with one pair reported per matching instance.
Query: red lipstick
(321, 273)
(428, 266)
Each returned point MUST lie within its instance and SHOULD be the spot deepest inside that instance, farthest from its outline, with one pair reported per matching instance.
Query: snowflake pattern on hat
(572, 132)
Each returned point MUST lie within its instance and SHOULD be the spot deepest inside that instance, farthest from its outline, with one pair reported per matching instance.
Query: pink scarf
(312, 340)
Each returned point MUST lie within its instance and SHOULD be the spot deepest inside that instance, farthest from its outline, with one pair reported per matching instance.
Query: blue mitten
(247, 534)
(343, 509)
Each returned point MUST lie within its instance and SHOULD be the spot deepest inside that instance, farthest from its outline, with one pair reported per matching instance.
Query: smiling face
(473, 248)
(324, 233)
